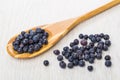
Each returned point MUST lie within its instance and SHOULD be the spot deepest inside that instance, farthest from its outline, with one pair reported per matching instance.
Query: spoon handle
(93, 13)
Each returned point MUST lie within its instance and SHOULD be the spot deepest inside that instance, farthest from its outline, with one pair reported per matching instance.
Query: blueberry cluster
(31, 41)
(90, 48)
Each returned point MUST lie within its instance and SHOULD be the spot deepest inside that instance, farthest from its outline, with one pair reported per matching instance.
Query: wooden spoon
(58, 30)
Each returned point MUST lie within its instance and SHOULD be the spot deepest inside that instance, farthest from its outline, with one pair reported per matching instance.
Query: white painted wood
(18, 15)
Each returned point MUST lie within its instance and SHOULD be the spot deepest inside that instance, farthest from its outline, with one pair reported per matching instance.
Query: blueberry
(42, 30)
(45, 41)
(82, 49)
(99, 56)
(90, 36)
(46, 62)
(86, 57)
(56, 52)
(81, 63)
(92, 50)
(92, 55)
(90, 68)
(70, 65)
(67, 55)
(74, 56)
(91, 44)
(76, 41)
(16, 47)
(83, 42)
(106, 37)
(26, 35)
(98, 39)
(30, 50)
(31, 46)
(107, 57)
(16, 43)
(75, 62)
(100, 46)
(107, 42)
(45, 34)
(99, 51)
(72, 44)
(20, 50)
(23, 32)
(91, 60)
(85, 36)
(93, 39)
(36, 38)
(59, 57)
(25, 48)
(38, 30)
(63, 53)
(101, 35)
(30, 41)
(21, 45)
(108, 63)
(66, 48)
(36, 47)
(86, 52)
(25, 41)
(74, 48)
(20, 37)
(62, 64)
(105, 47)
(32, 32)
(81, 36)
(70, 59)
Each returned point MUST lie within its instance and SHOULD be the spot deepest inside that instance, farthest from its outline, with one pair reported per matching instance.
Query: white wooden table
(18, 15)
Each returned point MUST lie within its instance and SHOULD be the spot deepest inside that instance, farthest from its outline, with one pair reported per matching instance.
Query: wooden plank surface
(18, 15)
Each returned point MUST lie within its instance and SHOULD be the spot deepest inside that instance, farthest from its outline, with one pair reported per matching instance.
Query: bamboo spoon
(58, 30)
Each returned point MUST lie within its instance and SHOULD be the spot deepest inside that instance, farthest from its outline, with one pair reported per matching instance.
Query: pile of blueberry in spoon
(31, 41)
(85, 49)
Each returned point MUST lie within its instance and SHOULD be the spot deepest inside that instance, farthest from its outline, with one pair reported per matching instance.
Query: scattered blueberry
(81, 63)
(81, 36)
(90, 68)
(62, 64)
(83, 42)
(46, 62)
(107, 57)
(108, 63)
(59, 57)
(70, 65)
(56, 52)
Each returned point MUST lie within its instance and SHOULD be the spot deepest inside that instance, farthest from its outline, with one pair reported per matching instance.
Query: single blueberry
(65, 48)
(56, 52)
(25, 49)
(36, 47)
(59, 57)
(25, 41)
(81, 63)
(70, 65)
(76, 41)
(85, 36)
(108, 63)
(99, 56)
(46, 62)
(81, 36)
(107, 42)
(70, 59)
(62, 64)
(107, 57)
(106, 37)
(90, 68)
(75, 62)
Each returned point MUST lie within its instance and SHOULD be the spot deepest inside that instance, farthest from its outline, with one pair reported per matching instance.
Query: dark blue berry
(25, 41)
(36, 47)
(38, 30)
(105, 47)
(75, 62)
(107, 57)
(56, 52)
(91, 60)
(72, 44)
(108, 63)
(76, 41)
(30, 50)
(46, 62)
(70, 65)
(81, 36)
(81, 63)
(99, 56)
(106, 37)
(70, 59)
(85, 36)
(66, 48)
(107, 42)
(25, 48)
(36, 38)
(59, 57)
(62, 64)
(86, 57)
(90, 68)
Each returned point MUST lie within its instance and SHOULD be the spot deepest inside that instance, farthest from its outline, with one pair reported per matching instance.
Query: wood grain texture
(18, 15)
